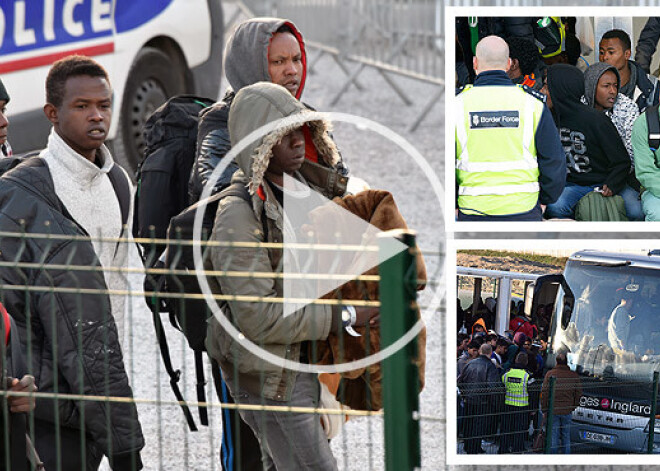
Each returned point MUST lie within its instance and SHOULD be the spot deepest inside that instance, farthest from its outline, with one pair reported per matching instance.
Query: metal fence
(609, 416)
(169, 445)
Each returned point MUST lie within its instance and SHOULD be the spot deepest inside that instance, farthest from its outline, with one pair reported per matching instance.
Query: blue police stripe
(129, 14)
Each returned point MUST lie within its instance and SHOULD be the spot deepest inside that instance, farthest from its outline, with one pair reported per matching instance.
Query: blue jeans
(651, 206)
(561, 431)
(564, 207)
(289, 440)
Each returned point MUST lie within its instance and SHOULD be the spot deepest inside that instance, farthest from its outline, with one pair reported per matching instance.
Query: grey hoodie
(624, 112)
(591, 77)
(246, 55)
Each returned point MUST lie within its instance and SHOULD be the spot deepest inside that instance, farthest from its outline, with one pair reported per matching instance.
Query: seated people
(636, 84)
(595, 155)
(601, 91)
(525, 63)
(601, 84)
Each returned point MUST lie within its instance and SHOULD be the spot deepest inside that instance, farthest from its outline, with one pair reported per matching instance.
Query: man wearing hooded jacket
(259, 50)
(288, 441)
(595, 155)
(508, 154)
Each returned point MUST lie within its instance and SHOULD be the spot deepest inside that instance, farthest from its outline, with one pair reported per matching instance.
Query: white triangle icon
(324, 246)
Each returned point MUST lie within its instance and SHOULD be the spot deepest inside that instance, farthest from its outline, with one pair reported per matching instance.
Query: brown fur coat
(361, 388)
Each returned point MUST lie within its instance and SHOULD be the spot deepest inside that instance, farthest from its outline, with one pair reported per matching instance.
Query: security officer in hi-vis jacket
(509, 159)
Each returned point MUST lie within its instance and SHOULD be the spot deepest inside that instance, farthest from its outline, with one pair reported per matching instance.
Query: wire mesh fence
(561, 415)
(102, 390)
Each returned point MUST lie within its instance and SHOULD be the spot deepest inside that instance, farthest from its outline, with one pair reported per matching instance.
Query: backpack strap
(175, 375)
(122, 190)
(653, 124)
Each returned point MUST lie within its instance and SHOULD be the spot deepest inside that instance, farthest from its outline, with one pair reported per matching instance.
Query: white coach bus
(152, 49)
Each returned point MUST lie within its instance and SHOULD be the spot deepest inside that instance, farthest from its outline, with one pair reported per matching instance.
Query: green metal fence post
(548, 422)
(654, 401)
(398, 313)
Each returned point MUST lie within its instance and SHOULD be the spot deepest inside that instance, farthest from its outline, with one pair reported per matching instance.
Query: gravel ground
(169, 444)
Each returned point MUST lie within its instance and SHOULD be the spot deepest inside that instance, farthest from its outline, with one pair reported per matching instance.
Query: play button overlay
(325, 246)
(311, 275)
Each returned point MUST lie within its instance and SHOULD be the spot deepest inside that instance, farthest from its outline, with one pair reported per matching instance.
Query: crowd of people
(72, 328)
(503, 383)
(571, 141)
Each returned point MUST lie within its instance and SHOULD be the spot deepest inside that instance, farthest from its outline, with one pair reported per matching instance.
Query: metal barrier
(610, 414)
(152, 395)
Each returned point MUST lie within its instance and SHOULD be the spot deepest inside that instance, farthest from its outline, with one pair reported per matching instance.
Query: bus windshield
(614, 329)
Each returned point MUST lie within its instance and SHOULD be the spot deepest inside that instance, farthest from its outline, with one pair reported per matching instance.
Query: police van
(152, 49)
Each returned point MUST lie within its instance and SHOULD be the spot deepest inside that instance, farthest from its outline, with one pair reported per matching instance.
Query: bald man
(509, 159)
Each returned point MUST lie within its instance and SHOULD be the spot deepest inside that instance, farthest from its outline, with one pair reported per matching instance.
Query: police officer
(509, 159)
(516, 406)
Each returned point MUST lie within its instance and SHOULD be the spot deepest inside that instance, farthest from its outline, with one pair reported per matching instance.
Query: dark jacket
(502, 26)
(477, 381)
(237, 220)
(595, 154)
(568, 390)
(647, 43)
(246, 63)
(72, 332)
(549, 153)
(648, 87)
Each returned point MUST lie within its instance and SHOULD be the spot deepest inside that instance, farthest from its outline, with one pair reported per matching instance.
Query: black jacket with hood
(246, 63)
(595, 154)
(63, 313)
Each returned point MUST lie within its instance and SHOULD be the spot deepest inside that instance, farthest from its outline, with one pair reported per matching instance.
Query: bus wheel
(151, 81)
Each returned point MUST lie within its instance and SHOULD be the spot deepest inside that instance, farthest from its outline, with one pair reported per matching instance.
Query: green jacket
(237, 220)
(645, 169)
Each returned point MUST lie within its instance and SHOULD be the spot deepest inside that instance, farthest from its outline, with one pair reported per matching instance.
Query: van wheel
(151, 81)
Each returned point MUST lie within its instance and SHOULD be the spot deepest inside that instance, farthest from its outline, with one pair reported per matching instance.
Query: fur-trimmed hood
(263, 103)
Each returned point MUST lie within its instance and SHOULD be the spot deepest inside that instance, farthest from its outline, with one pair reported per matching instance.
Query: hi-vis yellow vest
(515, 383)
(496, 167)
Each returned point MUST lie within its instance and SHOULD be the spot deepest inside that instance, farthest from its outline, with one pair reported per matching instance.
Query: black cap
(3, 93)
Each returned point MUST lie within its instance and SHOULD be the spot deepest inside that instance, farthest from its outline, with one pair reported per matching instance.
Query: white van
(152, 49)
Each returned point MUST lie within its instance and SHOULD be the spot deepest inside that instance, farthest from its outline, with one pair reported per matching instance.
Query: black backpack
(653, 124)
(179, 281)
(170, 136)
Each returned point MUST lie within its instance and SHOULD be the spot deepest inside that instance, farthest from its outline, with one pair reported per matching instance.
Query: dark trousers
(534, 214)
(515, 422)
(475, 426)
(77, 451)
(240, 450)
